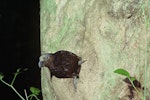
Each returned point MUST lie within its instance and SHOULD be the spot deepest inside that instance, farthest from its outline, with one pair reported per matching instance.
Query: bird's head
(45, 59)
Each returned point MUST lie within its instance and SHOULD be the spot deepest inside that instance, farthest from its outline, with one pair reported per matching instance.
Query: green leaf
(132, 78)
(122, 72)
(18, 70)
(25, 69)
(1, 76)
(34, 90)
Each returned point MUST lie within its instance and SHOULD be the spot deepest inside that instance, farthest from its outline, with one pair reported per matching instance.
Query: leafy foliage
(1, 76)
(34, 91)
(127, 74)
(122, 72)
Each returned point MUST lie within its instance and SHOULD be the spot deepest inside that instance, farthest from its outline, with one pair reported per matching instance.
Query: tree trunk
(109, 35)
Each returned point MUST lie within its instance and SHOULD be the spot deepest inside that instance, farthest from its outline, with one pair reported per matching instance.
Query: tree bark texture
(109, 35)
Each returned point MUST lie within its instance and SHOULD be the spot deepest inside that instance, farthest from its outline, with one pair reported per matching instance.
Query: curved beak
(44, 57)
(40, 64)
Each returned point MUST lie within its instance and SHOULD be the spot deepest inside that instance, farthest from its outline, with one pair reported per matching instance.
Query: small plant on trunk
(133, 83)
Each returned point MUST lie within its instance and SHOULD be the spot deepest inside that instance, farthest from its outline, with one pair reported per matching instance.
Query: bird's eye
(46, 57)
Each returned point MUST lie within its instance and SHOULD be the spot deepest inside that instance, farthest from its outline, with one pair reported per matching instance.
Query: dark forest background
(20, 45)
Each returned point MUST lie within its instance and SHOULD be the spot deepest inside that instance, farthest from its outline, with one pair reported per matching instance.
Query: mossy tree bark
(109, 35)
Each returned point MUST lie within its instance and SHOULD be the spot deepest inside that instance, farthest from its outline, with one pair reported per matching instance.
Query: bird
(62, 64)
